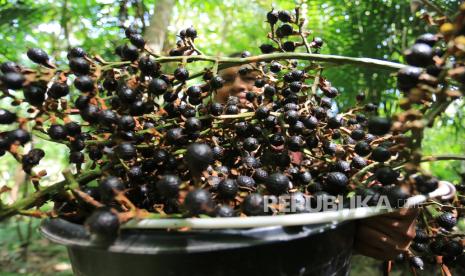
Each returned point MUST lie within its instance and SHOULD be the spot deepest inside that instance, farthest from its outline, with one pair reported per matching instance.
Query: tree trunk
(155, 33)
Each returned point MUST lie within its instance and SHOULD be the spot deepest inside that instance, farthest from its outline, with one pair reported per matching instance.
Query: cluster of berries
(159, 144)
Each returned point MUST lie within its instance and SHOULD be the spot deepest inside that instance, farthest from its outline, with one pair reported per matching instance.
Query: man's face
(236, 84)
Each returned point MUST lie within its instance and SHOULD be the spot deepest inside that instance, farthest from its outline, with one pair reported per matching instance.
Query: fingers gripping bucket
(321, 249)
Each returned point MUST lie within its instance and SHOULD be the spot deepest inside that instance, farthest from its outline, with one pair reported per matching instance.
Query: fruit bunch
(290, 25)
(146, 142)
(433, 79)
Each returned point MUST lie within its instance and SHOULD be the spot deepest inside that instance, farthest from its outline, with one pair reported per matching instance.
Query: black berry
(285, 16)
(362, 148)
(396, 195)
(126, 151)
(277, 183)
(126, 122)
(227, 189)
(267, 48)
(446, 220)
(76, 52)
(245, 181)
(103, 225)
(58, 90)
(416, 262)
(198, 202)
(126, 94)
(109, 187)
(428, 38)
(336, 182)
(38, 55)
(198, 157)
(425, 184)
(84, 83)
(217, 82)
(380, 154)
(358, 162)
(357, 134)
(379, 125)
(408, 78)
(272, 17)
(7, 117)
(107, 117)
(191, 32)
(285, 30)
(130, 52)
(386, 175)
(76, 157)
(10, 67)
(289, 46)
(79, 66)
(57, 132)
(137, 40)
(18, 135)
(420, 55)
(331, 92)
(224, 211)
(181, 74)
(157, 86)
(250, 144)
(253, 205)
(452, 249)
(13, 80)
(193, 124)
(168, 185)
(194, 91)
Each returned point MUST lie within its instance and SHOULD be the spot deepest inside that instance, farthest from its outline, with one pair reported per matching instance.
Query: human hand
(386, 236)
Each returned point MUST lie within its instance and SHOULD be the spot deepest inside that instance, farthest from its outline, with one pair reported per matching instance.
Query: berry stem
(69, 177)
(44, 136)
(442, 157)
(436, 109)
(443, 206)
(355, 178)
(302, 35)
(110, 65)
(87, 198)
(40, 197)
(315, 84)
(149, 51)
(191, 44)
(434, 158)
(230, 62)
(180, 151)
(126, 167)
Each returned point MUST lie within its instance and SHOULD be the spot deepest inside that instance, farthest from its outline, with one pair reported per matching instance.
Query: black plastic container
(297, 250)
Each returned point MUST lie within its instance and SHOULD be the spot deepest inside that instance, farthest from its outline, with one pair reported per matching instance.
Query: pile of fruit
(146, 142)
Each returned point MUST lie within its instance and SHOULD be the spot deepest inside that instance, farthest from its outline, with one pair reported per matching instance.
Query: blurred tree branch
(155, 33)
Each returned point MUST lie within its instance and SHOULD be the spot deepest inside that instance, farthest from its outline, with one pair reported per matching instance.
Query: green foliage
(43, 257)
(448, 135)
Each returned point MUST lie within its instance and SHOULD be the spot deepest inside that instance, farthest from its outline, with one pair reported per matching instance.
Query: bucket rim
(161, 241)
